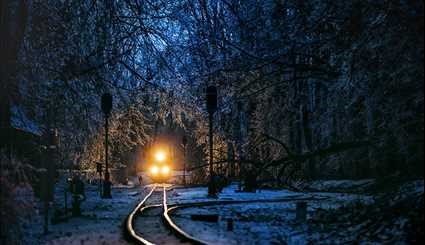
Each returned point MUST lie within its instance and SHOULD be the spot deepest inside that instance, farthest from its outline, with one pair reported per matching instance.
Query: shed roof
(20, 121)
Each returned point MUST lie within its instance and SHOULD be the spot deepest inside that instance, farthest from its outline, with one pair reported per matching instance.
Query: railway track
(150, 222)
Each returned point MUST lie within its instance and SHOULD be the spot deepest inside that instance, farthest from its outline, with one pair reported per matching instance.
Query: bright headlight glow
(160, 156)
(165, 170)
(154, 170)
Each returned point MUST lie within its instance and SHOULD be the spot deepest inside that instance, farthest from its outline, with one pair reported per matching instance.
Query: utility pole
(212, 108)
(107, 103)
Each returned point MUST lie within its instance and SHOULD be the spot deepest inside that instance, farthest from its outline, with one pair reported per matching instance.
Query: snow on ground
(340, 185)
(231, 193)
(254, 223)
(101, 222)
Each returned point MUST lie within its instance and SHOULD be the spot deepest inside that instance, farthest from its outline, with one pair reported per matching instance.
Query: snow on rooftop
(19, 120)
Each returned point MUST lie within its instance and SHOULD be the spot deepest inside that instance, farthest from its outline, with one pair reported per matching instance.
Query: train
(160, 167)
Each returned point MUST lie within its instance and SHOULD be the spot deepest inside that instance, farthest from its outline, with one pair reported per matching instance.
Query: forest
(307, 89)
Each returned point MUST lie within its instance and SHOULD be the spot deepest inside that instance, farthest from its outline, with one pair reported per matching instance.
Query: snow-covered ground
(254, 223)
(101, 222)
(340, 185)
(275, 223)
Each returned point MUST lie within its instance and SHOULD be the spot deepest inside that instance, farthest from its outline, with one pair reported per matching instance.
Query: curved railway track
(131, 219)
(149, 223)
(162, 229)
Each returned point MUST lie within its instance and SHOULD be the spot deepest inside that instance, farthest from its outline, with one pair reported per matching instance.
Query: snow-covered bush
(16, 198)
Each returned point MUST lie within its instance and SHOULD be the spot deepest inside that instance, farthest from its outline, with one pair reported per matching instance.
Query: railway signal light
(107, 104)
(212, 99)
(212, 108)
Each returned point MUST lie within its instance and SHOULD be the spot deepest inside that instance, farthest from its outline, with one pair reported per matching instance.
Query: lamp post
(107, 103)
(184, 141)
(211, 108)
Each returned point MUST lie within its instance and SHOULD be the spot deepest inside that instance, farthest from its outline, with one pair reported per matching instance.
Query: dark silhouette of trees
(311, 75)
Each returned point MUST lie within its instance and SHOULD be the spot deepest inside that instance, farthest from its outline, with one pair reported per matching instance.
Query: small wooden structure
(20, 136)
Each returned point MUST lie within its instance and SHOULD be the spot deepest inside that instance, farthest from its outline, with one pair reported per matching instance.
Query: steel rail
(177, 230)
(130, 220)
(235, 202)
(142, 207)
(184, 235)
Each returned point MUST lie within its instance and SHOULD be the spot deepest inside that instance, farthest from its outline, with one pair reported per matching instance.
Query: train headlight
(160, 156)
(165, 170)
(154, 170)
